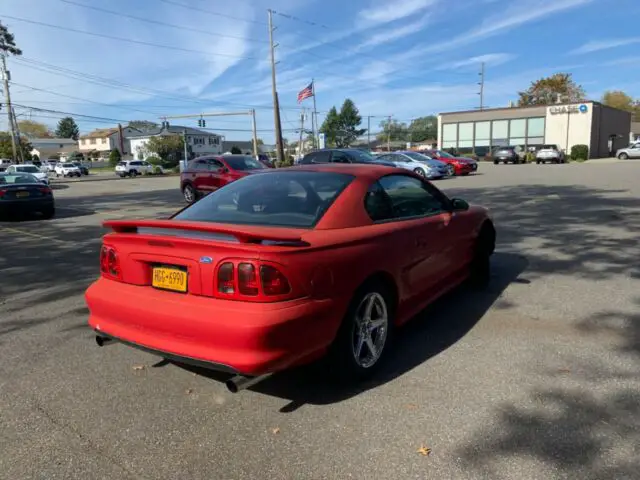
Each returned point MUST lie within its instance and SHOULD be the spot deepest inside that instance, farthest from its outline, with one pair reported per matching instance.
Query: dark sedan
(342, 155)
(84, 170)
(22, 193)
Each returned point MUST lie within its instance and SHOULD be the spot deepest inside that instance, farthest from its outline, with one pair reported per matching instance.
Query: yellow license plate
(22, 194)
(169, 279)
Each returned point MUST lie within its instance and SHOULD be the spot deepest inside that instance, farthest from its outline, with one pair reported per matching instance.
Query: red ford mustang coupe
(283, 267)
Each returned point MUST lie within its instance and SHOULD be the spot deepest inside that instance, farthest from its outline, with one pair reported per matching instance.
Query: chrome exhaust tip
(240, 382)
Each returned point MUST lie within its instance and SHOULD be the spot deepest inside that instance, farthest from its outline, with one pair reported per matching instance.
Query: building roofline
(522, 108)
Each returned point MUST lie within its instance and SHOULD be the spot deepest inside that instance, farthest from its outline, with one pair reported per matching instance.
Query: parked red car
(209, 173)
(457, 165)
(288, 266)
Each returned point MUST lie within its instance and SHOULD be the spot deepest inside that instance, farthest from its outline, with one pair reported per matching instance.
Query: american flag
(305, 92)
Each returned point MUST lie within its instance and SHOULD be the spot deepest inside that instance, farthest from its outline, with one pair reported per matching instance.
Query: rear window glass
(14, 178)
(285, 199)
(122, 164)
(243, 162)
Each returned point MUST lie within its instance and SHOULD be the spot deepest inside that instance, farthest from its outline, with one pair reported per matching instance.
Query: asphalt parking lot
(535, 379)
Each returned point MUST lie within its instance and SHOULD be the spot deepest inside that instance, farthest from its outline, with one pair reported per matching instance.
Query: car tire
(451, 171)
(623, 156)
(133, 173)
(350, 358)
(49, 213)
(480, 266)
(537, 162)
(189, 193)
(420, 172)
(496, 162)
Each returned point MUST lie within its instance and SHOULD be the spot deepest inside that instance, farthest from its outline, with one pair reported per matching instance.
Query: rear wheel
(364, 338)
(480, 267)
(420, 172)
(451, 171)
(623, 156)
(49, 213)
(133, 173)
(496, 162)
(189, 193)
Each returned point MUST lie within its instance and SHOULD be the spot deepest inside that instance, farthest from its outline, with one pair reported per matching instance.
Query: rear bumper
(466, 168)
(238, 337)
(22, 206)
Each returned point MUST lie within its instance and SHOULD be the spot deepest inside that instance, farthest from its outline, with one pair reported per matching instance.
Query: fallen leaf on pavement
(275, 431)
(411, 406)
(424, 451)
(564, 370)
(189, 391)
(137, 368)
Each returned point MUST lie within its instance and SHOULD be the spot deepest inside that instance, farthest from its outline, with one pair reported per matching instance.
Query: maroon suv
(206, 174)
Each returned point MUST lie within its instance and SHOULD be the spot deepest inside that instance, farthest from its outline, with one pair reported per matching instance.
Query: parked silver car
(417, 162)
(632, 151)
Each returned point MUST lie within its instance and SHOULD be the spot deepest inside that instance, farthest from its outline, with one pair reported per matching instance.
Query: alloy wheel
(188, 193)
(420, 172)
(451, 171)
(370, 330)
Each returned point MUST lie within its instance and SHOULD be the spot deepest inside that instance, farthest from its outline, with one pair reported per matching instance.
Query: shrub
(579, 153)
(114, 157)
(154, 160)
(530, 157)
(235, 150)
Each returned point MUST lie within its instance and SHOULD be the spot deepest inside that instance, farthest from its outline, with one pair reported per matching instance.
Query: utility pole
(274, 92)
(255, 133)
(389, 133)
(369, 132)
(186, 149)
(481, 83)
(15, 122)
(7, 99)
(301, 131)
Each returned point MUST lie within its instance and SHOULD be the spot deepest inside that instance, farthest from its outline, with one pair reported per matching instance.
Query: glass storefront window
(517, 141)
(483, 131)
(518, 128)
(536, 127)
(465, 143)
(483, 143)
(535, 141)
(500, 129)
(450, 132)
(465, 131)
(449, 144)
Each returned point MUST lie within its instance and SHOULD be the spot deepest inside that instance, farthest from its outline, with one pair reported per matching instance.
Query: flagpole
(314, 116)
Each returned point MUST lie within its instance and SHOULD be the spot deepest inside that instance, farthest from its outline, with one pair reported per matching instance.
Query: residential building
(53, 147)
(634, 136)
(199, 142)
(602, 128)
(103, 140)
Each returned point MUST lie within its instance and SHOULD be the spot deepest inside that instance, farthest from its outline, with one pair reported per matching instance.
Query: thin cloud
(384, 11)
(596, 46)
(390, 35)
(489, 59)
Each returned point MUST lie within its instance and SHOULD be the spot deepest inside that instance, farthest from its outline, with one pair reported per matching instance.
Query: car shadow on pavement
(434, 330)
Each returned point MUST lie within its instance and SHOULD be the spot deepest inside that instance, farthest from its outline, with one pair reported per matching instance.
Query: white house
(200, 142)
(49, 147)
(103, 140)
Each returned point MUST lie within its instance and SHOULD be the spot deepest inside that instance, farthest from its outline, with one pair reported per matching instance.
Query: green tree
(114, 157)
(143, 125)
(423, 128)
(67, 128)
(619, 99)
(235, 150)
(34, 129)
(393, 130)
(547, 91)
(8, 42)
(6, 151)
(349, 121)
(330, 127)
(170, 148)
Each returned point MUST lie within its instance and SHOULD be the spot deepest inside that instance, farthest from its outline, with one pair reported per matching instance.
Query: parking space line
(29, 234)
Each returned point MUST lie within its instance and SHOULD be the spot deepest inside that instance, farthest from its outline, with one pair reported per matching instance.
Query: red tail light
(252, 281)
(2, 193)
(109, 262)
(45, 190)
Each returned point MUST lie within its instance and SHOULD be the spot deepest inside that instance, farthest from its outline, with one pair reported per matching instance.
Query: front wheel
(420, 172)
(189, 193)
(364, 338)
(49, 213)
(623, 156)
(451, 171)
(133, 173)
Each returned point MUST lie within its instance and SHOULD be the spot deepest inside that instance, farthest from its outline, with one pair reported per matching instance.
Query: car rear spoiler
(243, 234)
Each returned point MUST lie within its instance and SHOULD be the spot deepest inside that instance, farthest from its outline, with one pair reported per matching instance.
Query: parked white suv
(133, 168)
(67, 169)
(31, 169)
(550, 153)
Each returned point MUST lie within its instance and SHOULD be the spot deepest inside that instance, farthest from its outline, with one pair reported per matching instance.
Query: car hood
(464, 160)
(435, 163)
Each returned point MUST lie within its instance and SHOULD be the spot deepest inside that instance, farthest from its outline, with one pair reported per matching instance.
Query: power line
(217, 14)
(164, 24)
(129, 40)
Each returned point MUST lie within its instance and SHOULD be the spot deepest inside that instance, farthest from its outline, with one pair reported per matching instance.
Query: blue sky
(405, 58)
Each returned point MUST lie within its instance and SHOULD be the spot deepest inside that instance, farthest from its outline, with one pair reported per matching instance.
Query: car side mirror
(459, 205)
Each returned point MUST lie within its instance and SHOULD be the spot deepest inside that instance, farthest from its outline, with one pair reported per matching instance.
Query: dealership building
(603, 129)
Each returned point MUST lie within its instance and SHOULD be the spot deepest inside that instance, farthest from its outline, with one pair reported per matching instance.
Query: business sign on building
(568, 109)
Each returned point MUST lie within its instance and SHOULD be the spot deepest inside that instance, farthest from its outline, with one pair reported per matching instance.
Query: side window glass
(309, 158)
(214, 165)
(340, 157)
(322, 157)
(410, 197)
(378, 204)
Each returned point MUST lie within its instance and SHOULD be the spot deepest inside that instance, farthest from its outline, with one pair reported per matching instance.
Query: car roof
(362, 170)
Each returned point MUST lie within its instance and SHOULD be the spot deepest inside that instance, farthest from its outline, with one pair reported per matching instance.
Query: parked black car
(508, 155)
(22, 193)
(84, 170)
(342, 155)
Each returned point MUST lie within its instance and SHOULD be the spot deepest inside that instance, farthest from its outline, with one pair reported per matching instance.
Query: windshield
(243, 162)
(67, 165)
(15, 178)
(364, 157)
(282, 199)
(28, 169)
(418, 157)
(549, 147)
(442, 153)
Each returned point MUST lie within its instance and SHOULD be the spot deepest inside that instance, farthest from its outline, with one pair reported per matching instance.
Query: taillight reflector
(109, 262)
(226, 279)
(273, 281)
(247, 279)
(2, 193)
(45, 190)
